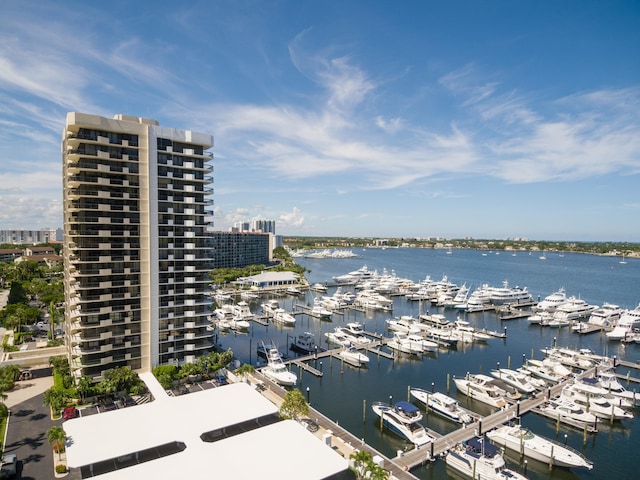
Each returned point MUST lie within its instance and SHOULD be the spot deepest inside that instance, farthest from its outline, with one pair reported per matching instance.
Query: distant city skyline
(364, 119)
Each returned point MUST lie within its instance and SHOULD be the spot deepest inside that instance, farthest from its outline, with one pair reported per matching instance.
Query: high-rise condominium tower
(135, 247)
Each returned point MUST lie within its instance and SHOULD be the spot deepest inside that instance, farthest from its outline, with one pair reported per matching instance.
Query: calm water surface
(346, 395)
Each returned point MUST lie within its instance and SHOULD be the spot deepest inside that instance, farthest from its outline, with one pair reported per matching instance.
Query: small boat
(479, 459)
(442, 405)
(319, 287)
(277, 371)
(403, 418)
(353, 357)
(305, 343)
(525, 442)
(355, 333)
(482, 388)
(263, 350)
(319, 311)
(293, 291)
(541, 318)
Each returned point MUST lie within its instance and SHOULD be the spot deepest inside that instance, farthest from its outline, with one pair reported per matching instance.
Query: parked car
(69, 412)
(9, 466)
(25, 375)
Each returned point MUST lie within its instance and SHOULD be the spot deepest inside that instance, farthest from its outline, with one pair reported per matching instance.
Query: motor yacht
(403, 419)
(573, 309)
(353, 357)
(355, 337)
(516, 379)
(482, 388)
(595, 400)
(404, 324)
(269, 307)
(479, 459)
(338, 338)
(242, 311)
(442, 405)
(280, 315)
(506, 295)
(427, 345)
(524, 442)
(305, 343)
(628, 322)
(551, 302)
(565, 408)
(277, 371)
(402, 343)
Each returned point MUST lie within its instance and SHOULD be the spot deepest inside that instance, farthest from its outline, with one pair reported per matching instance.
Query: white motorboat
(465, 330)
(319, 310)
(541, 318)
(442, 405)
(607, 379)
(249, 296)
(515, 379)
(595, 400)
(277, 371)
(606, 316)
(564, 408)
(549, 370)
(403, 419)
(319, 287)
(427, 345)
(626, 326)
(570, 357)
(355, 276)
(269, 307)
(551, 302)
(404, 324)
(479, 459)
(338, 338)
(305, 343)
(525, 442)
(280, 315)
(402, 343)
(353, 357)
(242, 311)
(482, 388)
(355, 333)
(293, 291)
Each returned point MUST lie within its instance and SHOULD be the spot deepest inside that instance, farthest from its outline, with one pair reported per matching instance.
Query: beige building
(136, 260)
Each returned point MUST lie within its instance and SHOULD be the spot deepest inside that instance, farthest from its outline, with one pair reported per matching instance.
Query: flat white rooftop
(277, 450)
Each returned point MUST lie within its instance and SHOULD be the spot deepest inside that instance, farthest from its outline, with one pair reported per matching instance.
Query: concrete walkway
(26, 389)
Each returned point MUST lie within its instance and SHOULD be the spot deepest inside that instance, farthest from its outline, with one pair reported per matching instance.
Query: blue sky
(488, 119)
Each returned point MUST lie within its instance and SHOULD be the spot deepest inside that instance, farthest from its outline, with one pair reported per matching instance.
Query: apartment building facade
(136, 259)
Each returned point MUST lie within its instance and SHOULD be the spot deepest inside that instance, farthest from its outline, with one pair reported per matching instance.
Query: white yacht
(479, 459)
(355, 337)
(628, 322)
(524, 442)
(277, 371)
(402, 343)
(442, 405)
(566, 409)
(355, 276)
(305, 343)
(427, 345)
(353, 357)
(608, 380)
(319, 310)
(606, 316)
(551, 302)
(403, 419)
(573, 309)
(506, 295)
(482, 388)
(280, 315)
(595, 400)
(571, 358)
(269, 307)
(514, 378)
(541, 317)
(549, 370)
(338, 338)
(404, 324)
(242, 311)
(465, 330)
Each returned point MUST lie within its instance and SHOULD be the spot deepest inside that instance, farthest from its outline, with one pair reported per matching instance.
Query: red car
(69, 412)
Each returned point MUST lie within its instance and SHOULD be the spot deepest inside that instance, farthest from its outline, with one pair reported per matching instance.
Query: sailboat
(543, 256)
(623, 261)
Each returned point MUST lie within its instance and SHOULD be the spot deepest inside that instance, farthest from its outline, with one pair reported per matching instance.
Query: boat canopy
(483, 446)
(409, 409)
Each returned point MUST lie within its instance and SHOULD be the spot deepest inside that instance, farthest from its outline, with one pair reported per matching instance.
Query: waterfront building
(240, 249)
(136, 258)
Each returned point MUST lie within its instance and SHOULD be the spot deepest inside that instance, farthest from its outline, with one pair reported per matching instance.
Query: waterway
(345, 394)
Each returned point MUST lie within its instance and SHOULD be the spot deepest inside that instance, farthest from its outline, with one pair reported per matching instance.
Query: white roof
(282, 447)
(273, 277)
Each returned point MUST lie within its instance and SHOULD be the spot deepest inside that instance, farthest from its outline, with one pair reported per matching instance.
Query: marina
(391, 374)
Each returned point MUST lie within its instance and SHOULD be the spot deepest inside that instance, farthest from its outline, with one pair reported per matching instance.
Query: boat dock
(440, 445)
(584, 330)
(510, 312)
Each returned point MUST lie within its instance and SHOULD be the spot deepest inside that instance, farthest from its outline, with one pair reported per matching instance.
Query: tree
(361, 460)
(56, 438)
(294, 405)
(166, 374)
(85, 388)
(245, 368)
(55, 398)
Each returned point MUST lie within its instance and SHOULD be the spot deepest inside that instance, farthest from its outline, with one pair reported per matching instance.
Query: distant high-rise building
(28, 237)
(264, 226)
(136, 253)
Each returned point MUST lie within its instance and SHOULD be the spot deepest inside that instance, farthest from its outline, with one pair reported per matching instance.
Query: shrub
(61, 469)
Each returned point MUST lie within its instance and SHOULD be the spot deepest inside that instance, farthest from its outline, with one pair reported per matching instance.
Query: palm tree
(361, 460)
(56, 438)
